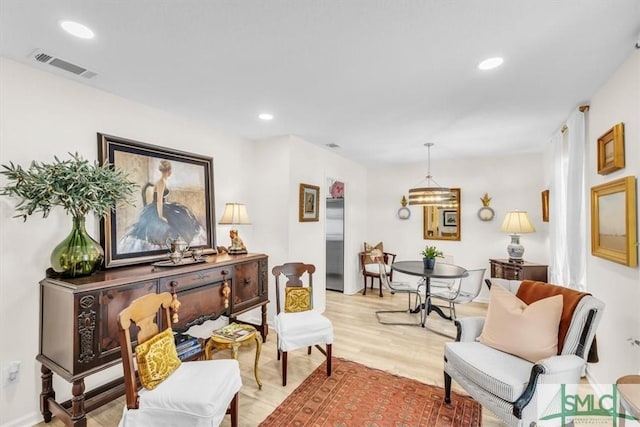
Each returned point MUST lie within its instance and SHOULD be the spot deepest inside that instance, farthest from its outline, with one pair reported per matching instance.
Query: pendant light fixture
(431, 194)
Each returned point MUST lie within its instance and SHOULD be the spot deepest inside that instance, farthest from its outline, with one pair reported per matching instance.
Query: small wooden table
(629, 393)
(233, 336)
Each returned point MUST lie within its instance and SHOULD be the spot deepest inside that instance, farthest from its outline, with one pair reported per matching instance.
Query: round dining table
(441, 270)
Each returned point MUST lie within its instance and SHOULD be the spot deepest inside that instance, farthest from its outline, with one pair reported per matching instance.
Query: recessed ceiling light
(490, 63)
(265, 116)
(76, 29)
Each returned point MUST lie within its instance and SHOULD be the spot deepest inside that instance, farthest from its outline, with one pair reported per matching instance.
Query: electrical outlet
(11, 374)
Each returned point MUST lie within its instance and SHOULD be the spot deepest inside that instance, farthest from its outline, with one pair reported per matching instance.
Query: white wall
(618, 100)
(42, 115)
(512, 183)
(290, 240)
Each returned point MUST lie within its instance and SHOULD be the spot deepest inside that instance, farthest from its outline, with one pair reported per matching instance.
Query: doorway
(334, 236)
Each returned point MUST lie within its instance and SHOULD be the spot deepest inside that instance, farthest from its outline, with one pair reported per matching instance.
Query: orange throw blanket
(530, 291)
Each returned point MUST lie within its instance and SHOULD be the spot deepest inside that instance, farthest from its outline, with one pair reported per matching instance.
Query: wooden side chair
(370, 269)
(198, 393)
(297, 324)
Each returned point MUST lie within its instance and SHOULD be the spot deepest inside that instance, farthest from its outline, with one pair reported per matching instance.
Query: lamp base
(515, 249)
(232, 251)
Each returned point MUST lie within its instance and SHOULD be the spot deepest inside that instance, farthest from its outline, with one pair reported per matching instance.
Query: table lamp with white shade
(516, 223)
(235, 214)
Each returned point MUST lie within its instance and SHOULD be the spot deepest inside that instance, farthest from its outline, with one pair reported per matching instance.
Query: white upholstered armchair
(508, 385)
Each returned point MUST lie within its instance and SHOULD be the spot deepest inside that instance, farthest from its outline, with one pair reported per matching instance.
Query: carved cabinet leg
(47, 392)
(78, 416)
(264, 328)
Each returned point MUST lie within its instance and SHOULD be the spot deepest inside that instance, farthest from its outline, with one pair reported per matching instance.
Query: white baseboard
(30, 419)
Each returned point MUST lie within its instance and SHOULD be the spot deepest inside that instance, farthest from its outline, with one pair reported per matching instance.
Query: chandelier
(431, 194)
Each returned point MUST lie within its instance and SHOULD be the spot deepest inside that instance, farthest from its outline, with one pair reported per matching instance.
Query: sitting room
(239, 126)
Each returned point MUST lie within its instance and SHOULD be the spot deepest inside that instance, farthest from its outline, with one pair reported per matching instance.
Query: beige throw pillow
(368, 248)
(526, 331)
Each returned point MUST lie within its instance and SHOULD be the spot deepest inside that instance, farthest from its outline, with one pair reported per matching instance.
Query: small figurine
(237, 245)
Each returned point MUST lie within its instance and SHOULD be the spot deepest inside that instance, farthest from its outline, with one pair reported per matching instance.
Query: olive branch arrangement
(76, 185)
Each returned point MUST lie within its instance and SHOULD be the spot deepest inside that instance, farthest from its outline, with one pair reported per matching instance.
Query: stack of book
(187, 346)
(232, 332)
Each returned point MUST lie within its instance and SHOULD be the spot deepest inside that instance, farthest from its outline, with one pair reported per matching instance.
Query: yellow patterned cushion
(157, 359)
(297, 299)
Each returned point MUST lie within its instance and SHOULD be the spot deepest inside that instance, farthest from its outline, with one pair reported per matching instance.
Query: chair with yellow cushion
(297, 324)
(173, 393)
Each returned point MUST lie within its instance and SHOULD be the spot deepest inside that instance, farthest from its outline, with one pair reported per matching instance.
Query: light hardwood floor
(409, 351)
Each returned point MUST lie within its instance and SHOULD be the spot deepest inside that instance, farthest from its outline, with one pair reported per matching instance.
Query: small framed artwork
(309, 209)
(545, 206)
(175, 200)
(613, 221)
(611, 150)
(450, 218)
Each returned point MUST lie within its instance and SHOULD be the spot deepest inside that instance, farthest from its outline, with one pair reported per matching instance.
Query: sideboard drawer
(192, 280)
(518, 270)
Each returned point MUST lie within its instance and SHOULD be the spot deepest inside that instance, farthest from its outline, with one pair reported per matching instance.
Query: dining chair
(400, 288)
(465, 291)
(371, 270)
(173, 393)
(296, 322)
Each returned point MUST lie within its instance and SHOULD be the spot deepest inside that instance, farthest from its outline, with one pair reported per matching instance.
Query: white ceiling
(377, 77)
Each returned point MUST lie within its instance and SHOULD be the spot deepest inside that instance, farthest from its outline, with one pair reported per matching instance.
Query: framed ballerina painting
(175, 200)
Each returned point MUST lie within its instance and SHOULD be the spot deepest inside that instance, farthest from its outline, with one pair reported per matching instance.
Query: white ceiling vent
(46, 58)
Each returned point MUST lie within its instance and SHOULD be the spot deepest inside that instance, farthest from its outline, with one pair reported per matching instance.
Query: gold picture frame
(545, 206)
(309, 208)
(443, 222)
(611, 150)
(613, 221)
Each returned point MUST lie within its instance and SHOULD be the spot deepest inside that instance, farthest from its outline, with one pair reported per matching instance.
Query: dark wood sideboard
(518, 270)
(78, 319)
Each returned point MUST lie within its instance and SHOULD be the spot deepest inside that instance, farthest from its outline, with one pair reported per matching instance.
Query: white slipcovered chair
(296, 322)
(198, 393)
(507, 385)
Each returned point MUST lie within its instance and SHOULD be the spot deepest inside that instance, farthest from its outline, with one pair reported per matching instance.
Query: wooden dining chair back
(296, 322)
(371, 271)
(173, 392)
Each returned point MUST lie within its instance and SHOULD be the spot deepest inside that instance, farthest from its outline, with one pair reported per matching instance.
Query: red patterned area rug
(356, 395)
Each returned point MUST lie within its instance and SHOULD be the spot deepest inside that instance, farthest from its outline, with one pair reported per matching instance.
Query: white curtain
(567, 205)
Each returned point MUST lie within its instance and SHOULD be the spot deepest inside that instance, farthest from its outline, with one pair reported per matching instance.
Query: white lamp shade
(235, 213)
(517, 222)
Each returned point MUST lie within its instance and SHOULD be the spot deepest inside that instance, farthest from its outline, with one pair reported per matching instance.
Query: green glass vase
(78, 254)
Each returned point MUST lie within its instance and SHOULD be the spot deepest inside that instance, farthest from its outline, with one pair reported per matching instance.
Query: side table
(233, 336)
(629, 393)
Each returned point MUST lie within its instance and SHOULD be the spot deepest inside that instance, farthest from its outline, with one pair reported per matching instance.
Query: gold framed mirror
(442, 223)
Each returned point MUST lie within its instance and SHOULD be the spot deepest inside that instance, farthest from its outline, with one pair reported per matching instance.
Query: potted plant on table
(429, 254)
(77, 186)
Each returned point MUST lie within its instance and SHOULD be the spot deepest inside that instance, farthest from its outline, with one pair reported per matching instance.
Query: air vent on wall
(46, 58)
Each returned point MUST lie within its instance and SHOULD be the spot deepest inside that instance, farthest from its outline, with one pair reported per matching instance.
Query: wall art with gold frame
(545, 206)
(614, 221)
(309, 208)
(611, 150)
